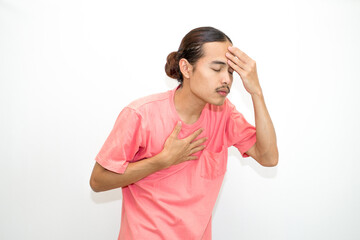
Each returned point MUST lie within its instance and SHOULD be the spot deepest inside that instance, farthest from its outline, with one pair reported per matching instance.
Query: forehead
(215, 51)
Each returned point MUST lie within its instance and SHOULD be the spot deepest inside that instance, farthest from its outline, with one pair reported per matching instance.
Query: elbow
(270, 163)
(94, 184)
(98, 184)
(271, 160)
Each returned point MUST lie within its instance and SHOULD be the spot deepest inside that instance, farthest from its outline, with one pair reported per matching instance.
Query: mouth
(223, 91)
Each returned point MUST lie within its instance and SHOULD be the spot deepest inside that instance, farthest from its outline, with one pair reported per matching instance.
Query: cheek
(200, 85)
(202, 78)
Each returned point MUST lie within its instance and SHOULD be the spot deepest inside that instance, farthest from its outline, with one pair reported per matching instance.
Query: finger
(177, 129)
(192, 157)
(240, 54)
(194, 135)
(238, 69)
(198, 142)
(197, 149)
(236, 60)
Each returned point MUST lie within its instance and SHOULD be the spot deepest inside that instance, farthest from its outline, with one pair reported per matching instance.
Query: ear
(185, 68)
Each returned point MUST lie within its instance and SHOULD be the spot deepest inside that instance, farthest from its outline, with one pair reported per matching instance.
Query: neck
(188, 105)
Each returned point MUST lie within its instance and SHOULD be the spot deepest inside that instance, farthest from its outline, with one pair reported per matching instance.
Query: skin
(208, 83)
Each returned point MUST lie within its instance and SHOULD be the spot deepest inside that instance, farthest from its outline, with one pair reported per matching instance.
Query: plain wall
(67, 68)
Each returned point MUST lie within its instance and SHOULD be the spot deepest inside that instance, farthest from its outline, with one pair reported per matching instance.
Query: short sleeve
(122, 143)
(239, 132)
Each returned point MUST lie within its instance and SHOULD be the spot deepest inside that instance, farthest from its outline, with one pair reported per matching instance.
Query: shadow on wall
(266, 172)
(106, 196)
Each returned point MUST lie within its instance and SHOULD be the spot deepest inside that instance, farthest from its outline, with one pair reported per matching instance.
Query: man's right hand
(180, 150)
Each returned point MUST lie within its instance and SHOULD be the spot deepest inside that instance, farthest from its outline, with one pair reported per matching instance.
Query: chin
(218, 103)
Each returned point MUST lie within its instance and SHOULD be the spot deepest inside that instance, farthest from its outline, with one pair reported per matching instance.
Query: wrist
(258, 93)
(160, 161)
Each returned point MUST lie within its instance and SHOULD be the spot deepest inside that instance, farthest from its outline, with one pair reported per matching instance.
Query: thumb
(176, 130)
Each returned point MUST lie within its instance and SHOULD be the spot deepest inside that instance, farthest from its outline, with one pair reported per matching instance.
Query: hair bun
(172, 66)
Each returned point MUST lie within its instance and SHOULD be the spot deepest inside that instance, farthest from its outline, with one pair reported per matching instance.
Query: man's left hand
(246, 68)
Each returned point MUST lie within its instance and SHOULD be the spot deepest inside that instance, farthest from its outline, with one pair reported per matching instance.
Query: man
(171, 176)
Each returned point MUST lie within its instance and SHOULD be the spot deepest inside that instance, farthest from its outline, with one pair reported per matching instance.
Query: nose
(226, 80)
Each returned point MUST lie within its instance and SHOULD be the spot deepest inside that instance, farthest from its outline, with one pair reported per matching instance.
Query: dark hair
(191, 49)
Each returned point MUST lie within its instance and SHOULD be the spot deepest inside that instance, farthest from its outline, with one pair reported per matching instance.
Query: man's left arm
(265, 149)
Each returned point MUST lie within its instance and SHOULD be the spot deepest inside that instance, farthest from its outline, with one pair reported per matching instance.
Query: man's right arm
(103, 179)
(175, 151)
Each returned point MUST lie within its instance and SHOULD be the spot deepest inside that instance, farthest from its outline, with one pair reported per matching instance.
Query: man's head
(201, 66)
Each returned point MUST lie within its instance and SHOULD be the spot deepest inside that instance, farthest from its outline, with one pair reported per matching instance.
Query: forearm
(103, 179)
(265, 132)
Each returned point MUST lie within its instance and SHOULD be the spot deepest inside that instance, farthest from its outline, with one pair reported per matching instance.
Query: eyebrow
(221, 63)
(218, 62)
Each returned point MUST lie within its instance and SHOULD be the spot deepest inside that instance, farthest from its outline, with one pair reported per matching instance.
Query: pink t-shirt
(177, 202)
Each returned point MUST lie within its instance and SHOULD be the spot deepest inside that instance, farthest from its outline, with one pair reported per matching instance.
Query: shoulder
(138, 110)
(149, 101)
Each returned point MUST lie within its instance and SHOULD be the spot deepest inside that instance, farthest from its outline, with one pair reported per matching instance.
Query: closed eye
(231, 72)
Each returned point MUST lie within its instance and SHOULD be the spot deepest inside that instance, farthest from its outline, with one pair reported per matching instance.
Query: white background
(67, 68)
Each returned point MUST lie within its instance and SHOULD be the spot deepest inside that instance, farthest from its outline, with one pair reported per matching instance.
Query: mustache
(223, 87)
